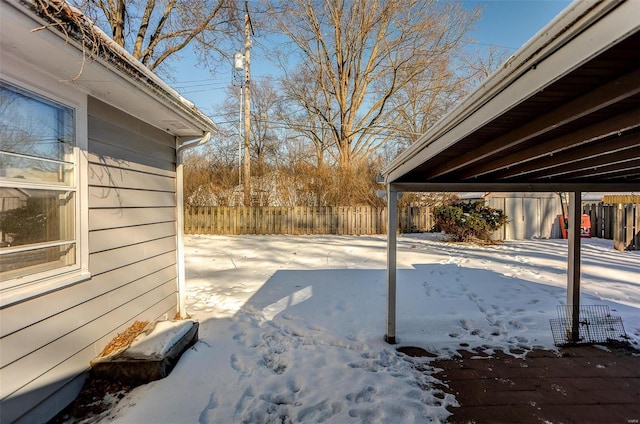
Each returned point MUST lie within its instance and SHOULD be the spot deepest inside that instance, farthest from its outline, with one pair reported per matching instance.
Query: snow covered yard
(291, 327)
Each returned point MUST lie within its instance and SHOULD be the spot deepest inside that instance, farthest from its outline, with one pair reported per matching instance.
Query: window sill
(15, 295)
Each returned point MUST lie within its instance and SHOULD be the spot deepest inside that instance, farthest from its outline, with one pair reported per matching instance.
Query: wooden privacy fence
(346, 220)
(618, 222)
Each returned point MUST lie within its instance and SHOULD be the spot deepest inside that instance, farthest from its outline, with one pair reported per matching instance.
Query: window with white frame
(38, 186)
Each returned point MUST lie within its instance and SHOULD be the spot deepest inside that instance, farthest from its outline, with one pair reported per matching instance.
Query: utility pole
(238, 66)
(247, 104)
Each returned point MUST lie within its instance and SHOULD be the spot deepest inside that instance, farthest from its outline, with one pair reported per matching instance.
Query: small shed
(532, 215)
(90, 147)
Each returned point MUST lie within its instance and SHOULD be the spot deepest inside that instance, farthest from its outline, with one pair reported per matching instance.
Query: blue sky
(510, 23)
(504, 23)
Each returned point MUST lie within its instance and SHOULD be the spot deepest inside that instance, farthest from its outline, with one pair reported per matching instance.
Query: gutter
(184, 146)
(71, 23)
(181, 147)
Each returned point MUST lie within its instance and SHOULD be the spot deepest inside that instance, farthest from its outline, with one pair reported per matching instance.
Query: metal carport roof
(562, 114)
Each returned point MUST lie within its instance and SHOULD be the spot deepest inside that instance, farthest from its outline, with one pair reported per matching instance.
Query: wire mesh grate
(592, 324)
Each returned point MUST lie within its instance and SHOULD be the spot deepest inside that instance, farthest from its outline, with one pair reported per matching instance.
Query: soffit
(579, 132)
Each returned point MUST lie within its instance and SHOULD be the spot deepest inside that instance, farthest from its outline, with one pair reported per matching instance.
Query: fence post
(618, 230)
(636, 239)
(602, 212)
(593, 218)
(628, 234)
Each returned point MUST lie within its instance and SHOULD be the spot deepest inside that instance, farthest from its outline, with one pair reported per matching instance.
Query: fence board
(620, 223)
(342, 220)
(628, 231)
(608, 220)
(637, 227)
(618, 233)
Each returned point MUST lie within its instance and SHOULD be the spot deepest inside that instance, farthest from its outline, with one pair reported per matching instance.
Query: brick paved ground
(578, 385)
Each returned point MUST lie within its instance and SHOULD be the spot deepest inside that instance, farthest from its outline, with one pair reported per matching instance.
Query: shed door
(524, 218)
(531, 212)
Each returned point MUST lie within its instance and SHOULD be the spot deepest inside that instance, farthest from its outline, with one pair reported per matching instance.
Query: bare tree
(362, 54)
(153, 31)
(424, 100)
(479, 64)
(265, 134)
(447, 79)
(301, 89)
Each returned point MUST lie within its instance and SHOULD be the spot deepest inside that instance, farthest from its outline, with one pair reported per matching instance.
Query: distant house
(531, 215)
(91, 195)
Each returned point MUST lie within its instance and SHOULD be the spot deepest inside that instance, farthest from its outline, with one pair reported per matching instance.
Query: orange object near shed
(585, 226)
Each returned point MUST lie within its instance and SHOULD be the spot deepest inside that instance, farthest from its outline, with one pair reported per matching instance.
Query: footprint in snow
(245, 401)
(365, 395)
(294, 385)
(236, 364)
(517, 325)
(285, 398)
(467, 325)
(206, 416)
(366, 415)
(364, 365)
(320, 412)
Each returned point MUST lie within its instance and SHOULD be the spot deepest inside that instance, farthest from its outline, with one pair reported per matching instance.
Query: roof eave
(514, 81)
(116, 65)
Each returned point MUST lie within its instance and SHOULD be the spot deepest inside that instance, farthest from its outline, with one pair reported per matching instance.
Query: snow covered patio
(291, 328)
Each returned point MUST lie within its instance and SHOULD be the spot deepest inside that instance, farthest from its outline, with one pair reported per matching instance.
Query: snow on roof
(73, 23)
(472, 195)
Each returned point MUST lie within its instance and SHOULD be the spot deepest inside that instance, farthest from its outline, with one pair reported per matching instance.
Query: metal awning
(562, 114)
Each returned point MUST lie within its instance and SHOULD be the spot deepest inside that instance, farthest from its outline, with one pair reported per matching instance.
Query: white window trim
(22, 75)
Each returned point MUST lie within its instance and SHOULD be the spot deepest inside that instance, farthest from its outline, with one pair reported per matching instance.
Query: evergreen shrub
(468, 221)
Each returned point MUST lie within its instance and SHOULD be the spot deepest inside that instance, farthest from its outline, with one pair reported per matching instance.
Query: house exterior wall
(48, 341)
(132, 213)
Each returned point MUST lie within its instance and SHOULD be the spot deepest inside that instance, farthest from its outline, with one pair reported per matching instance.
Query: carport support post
(392, 228)
(573, 268)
